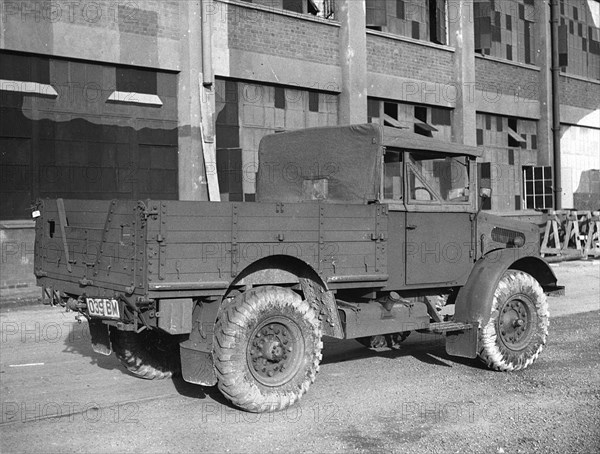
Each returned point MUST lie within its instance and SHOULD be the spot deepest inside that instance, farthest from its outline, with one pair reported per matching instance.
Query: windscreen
(438, 179)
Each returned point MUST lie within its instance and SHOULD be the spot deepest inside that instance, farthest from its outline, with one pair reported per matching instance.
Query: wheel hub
(273, 352)
(514, 323)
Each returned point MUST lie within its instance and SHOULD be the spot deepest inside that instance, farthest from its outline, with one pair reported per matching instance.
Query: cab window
(434, 178)
(392, 175)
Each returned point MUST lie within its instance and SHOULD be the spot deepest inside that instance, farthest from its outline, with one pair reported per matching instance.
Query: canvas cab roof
(342, 161)
(402, 138)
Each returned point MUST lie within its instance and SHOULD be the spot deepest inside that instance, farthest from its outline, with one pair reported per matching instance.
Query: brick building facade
(135, 99)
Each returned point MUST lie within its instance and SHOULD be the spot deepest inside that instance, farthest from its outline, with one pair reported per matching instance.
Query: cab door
(439, 220)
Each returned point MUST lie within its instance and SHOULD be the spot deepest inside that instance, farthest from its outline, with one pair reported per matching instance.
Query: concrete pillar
(544, 61)
(192, 173)
(353, 61)
(461, 34)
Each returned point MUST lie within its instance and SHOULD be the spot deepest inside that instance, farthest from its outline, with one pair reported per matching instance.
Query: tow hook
(76, 305)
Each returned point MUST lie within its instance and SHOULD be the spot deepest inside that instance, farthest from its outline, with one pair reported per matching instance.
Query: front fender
(474, 299)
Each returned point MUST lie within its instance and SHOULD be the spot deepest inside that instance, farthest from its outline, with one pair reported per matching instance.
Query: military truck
(358, 232)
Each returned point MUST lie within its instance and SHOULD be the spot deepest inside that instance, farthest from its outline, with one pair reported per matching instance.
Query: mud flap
(462, 343)
(197, 367)
(100, 337)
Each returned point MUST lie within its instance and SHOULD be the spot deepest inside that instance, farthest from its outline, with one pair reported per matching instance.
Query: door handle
(410, 227)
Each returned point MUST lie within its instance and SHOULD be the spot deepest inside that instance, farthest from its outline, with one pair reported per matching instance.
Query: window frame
(406, 202)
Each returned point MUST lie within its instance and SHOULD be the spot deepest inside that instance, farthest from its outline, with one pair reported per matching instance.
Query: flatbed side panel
(188, 242)
(214, 242)
(354, 240)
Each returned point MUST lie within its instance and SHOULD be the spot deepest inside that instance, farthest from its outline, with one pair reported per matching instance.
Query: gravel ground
(415, 400)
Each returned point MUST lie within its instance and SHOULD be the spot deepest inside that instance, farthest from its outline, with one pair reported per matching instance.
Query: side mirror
(485, 193)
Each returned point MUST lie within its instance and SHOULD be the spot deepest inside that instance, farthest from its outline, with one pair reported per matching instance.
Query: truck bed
(177, 248)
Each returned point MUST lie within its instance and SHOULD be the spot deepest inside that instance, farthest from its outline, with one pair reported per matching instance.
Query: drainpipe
(207, 69)
(554, 17)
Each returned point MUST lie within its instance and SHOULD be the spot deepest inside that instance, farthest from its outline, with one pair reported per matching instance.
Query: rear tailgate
(94, 247)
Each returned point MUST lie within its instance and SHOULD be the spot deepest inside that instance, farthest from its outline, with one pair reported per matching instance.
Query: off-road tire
(149, 354)
(252, 337)
(518, 327)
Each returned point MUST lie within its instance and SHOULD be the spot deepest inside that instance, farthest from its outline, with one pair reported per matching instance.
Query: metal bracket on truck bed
(62, 221)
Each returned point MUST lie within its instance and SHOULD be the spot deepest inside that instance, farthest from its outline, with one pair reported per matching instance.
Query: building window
(437, 21)
(579, 38)
(390, 114)
(392, 175)
(426, 120)
(373, 110)
(328, 9)
(246, 112)
(441, 116)
(313, 101)
(321, 8)
(509, 144)
(412, 18)
(537, 187)
(484, 180)
(505, 29)
(24, 68)
(514, 139)
(227, 113)
(400, 11)
(421, 126)
(137, 80)
(25, 74)
(229, 173)
(70, 150)
(279, 98)
(376, 14)
(293, 5)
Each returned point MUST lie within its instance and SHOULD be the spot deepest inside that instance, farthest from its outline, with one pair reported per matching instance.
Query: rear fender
(196, 351)
(288, 270)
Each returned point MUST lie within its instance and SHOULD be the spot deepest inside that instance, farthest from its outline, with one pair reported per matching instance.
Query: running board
(445, 327)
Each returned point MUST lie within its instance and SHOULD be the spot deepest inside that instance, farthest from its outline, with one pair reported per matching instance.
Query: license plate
(103, 307)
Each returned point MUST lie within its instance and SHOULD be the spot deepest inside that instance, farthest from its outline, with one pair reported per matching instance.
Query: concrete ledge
(20, 297)
(507, 62)
(418, 42)
(17, 224)
(259, 68)
(30, 88)
(130, 97)
(512, 105)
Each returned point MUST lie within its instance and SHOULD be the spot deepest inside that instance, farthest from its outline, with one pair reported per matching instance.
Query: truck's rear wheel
(267, 349)
(518, 326)
(149, 355)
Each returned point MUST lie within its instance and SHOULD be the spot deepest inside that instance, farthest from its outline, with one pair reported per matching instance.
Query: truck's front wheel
(518, 326)
(267, 349)
(148, 355)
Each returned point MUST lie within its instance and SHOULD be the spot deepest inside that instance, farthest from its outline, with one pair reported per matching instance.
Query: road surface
(58, 396)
